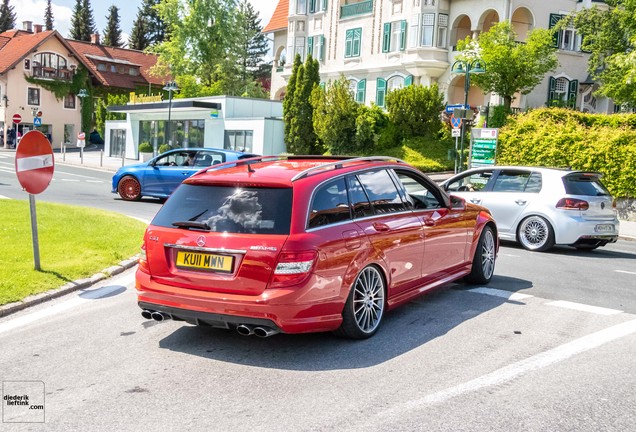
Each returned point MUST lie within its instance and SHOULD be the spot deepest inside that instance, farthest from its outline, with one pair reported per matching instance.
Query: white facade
(252, 125)
(380, 45)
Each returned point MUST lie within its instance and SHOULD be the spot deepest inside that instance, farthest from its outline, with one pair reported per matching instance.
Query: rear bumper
(281, 309)
(574, 231)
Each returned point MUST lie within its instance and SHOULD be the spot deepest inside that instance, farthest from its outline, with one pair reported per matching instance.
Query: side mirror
(457, 202)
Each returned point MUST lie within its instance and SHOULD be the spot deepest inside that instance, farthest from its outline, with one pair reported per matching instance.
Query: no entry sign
(17, 118)
(34, 164)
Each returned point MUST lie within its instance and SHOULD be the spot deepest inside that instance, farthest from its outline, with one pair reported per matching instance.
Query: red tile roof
(17, 44)
(92, 54)
(279, 18)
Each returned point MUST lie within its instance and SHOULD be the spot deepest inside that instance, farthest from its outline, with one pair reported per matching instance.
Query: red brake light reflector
(572, 204)
(292, 268)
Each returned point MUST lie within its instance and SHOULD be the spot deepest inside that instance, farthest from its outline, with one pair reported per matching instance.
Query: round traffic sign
(17, 118)
(456, 122)
(81, 136)
(34, 163)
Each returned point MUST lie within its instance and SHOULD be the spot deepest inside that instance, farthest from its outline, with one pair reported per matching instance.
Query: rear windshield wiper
(192, 224)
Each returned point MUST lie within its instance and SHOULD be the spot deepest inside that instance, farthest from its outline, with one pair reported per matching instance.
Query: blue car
(160, 176)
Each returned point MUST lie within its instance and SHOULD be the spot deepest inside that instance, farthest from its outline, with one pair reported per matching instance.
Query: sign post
(17, 118)
(456, 123)
(34, 166)
(81, 144)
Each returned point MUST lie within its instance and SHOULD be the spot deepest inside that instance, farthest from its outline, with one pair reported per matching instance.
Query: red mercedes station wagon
(307, 244)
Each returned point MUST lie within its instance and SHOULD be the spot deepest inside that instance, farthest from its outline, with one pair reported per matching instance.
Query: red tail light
(143, 261)
(572, 204)
(292, 268)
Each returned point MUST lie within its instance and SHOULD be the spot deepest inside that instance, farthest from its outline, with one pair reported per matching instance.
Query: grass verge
(75, 243)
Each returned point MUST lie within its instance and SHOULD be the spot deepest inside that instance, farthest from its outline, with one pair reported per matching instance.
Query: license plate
(604, 228)
(221, 263)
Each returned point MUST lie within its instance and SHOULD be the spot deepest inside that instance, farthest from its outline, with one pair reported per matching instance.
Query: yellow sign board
(135, 99)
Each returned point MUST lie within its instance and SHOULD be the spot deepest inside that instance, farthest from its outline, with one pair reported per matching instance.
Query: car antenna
(249, 168)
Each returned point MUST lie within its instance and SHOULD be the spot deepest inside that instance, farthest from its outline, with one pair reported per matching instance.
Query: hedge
(563, 138)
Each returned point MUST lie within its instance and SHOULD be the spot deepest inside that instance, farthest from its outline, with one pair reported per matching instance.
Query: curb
(77, 285)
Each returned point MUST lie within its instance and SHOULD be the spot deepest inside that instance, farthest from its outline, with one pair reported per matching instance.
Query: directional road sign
(34, 164)
(451, 108)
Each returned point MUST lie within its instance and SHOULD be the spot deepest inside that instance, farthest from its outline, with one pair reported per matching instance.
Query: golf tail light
(572, 204)
(292, 268)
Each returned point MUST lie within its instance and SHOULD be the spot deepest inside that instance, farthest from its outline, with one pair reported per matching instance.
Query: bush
(498, 116)
(145, 147)
(557, 137)
(164, 148)
(415, 110)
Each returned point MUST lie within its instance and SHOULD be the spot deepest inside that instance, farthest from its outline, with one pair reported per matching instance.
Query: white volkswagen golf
(542, 207)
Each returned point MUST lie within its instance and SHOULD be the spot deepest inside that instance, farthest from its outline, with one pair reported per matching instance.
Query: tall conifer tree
(7, 16)
(48, 16)
(112, 34)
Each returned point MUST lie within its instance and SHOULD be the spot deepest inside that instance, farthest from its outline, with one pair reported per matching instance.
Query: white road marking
(71, 174)
(584, 308)
(94, 181)
(70, 180)
(500, 293)
(625, 271)
(56, 309)
(509, 255)
(514, 370)
(8, 170)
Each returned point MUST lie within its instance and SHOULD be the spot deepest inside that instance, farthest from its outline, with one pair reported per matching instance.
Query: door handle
(429, 221)
(475, 201)
(521, 202)
(380, 227)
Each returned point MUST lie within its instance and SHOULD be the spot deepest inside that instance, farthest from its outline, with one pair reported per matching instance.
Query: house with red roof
(36, 66)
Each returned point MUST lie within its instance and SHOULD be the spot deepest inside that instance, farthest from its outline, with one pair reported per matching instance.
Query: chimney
(26, 26)
(95, 38)
(37, 28)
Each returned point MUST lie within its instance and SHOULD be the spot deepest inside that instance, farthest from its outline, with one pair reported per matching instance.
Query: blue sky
(33, 10)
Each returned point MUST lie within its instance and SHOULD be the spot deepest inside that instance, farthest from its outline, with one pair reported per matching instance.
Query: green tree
(335, 113)
(415, 110)
(202, 37)
(139, 36)
(7, 16)
(48, 15)
(288, 102)
(112, 35)
(82, 21)
(610, 36)
(511, 66)
(251, 44)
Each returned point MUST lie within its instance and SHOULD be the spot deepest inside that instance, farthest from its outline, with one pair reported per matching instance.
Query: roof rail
(339, 164)
(247, 161)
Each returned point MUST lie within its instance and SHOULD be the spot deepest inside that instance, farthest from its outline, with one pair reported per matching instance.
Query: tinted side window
(382, 192)
(359, 200)
(205, 159)
(534, 183)
(229, 209)
(330, 205)
(584, 185)
(511, 181)
(174, 159)
(418, 192)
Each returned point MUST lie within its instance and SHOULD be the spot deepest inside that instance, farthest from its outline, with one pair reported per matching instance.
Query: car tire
(364, 309)
(484, 260)
(535, 234)
(129, 188)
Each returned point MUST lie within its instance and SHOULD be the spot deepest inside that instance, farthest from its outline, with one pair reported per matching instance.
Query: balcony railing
(361, 8)
(52, 73)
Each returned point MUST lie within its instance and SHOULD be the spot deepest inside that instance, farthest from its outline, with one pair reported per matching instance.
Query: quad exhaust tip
(155, 315)
(260, 331)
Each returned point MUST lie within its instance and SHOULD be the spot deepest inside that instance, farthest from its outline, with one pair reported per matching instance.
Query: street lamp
(466, 68)
(170, 87)
(82, 94)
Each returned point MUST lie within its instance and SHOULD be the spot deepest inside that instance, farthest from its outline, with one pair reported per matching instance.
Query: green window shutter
(310, 46)
(380, 92)
(322, 47)
(386, 37)
(361, 91)
(348, 43)
(551, 91)
(357, 42)
(572, 91)
(408, 81)
(554, 19)
(402, 35)
(312, 6)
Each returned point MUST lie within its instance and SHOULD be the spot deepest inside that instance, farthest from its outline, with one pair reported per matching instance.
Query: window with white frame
(315, 47)
(567, 39)
(299, 47)
(394, 36)
(239, 140)
(301, 7)
(428, 25)
(69, 101)
(414, 27)
(394, 83)
(27, 64)
(442, 30)
(300, 26)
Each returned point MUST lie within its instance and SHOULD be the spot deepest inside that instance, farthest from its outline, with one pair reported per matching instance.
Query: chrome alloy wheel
(368, 299)
(488, 254)
(535, 234)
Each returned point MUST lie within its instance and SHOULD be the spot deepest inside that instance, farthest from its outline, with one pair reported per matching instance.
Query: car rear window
(228, 209)
(584, 184)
